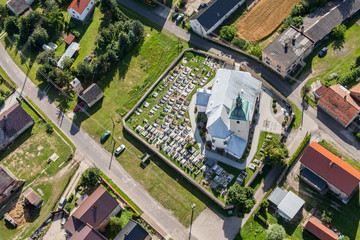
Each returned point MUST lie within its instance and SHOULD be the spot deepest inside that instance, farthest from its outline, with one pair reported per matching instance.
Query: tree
(138, 30)
(276, 232)
(275, 153)
(339, 32)
(305, 90)
(28, 24)
(39, 38)
(90, 177)
(242, 198)
(327, 216)
(4, 13)
(54, 21)
(44, 56)
(264, 204)
(241, 43)
(84, 71)
(124, 44)
(115, 224)
(11, 25)
(2, 100)
(228, 32)
(67, 62)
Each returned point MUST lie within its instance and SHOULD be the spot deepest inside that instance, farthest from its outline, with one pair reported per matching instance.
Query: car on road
(174, 16)
(180, 18)
(62, 203)
(322, 52)
(120, 149)
(78, 107)
(105, 136)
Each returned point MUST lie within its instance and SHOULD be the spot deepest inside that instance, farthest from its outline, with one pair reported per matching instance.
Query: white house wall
(81, 17)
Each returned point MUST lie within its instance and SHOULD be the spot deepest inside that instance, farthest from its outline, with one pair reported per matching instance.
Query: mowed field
(263, 19)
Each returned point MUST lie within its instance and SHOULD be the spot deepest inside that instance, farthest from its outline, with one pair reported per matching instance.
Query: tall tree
(275, 153)
(242, 198)
(39, 37)
(276, 232)
(11, 25)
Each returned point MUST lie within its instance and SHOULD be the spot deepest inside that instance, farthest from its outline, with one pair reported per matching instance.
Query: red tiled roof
(338, 101)
(87, 233)
(331, 168)
(69, 39)
(320, 230)
(355, 92)
(79, 5)
(321, 90)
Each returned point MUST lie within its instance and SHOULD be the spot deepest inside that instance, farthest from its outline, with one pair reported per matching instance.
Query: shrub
(228, 32)
(264, 204)
(358, 136)
(49, 128)
(274, 100)
(274, 105)
(189, 55)
(276, 232)
(299, 149)
(339, 31)
(283, 123)
(241, 43)
(256, 51)
(262, 219)
(275, 110)
(327, 216)
(115, 224)
(75, 32)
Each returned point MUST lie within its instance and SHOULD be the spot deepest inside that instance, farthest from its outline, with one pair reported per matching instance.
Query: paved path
(94, 152)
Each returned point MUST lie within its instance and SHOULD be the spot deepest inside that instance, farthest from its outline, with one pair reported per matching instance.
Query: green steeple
(239, 109)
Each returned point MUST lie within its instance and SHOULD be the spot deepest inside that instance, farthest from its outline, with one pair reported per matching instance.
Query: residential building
(230, 110)
(13, 122)
(211, 17)
(91, 95)
(340, 104)
(290, 49)
(287, 204)
(92, 215)
(70, 52)
(133, 231)
(19, 7)
(81, 9)
(319, 230)
(324, 171)
(9, 184)
(32, 198)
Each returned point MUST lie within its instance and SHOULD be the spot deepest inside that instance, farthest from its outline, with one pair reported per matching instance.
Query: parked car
(105, 136)
(78, 107)
(322, 52)
(120, 149)
(174, 16)
(62, 203)
(180, 17)
(203, 5)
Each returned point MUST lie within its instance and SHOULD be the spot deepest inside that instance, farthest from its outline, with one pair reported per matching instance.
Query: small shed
(69, 39)
(91, 95)
(276, 197)
(318, 229)
(31, 197)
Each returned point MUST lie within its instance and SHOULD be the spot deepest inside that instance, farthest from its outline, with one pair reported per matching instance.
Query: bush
(264, 204)
(228, 32)
(262, 219)
(339, 32)
(274, 100)
(283, 123)
(358, 136)
(69, 207)
(115, 224)
(299, 149)
(276, 232)
(49, 128)
(75, 32)
(275, 110)
(241, 43)
(90, 177)
(327, 216)
(189, 55)
(274, 105)
(256, 51)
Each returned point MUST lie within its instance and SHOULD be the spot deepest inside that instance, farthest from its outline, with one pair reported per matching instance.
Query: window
(268, 62)
(237, 121)
(267, 58)
(278, 70)
(225, 142)
(213, 141)
(278, 66)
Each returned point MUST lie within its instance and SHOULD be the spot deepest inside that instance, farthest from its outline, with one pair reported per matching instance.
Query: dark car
(105, 136)
(322, 52)
(174, 16)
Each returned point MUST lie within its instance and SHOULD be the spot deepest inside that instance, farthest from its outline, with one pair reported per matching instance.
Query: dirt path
(264, 18)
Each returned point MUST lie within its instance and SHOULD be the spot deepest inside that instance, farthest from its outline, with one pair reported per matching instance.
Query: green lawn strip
(337, 152)
(298, 115)
(262, 138)
(3, 73)
(119, 191)
(53, 125)
(298, 150)
(337, 59)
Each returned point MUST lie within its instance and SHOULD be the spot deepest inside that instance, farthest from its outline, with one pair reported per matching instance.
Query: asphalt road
(94, 152)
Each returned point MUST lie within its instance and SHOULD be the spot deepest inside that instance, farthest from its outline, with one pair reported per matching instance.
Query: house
(81, 9)
(92, 215)
(340, 104)
(70, 52)
(91, 95)
(319, 230)
(18, 7)
(209, 18)
(13, 122)
(323, 170)
(320, 91)
(202, 99)
(230, 109)
(290, 49)
(9, 184)
(32, 198)
(133, 231)
(287, 204)
(69, 39)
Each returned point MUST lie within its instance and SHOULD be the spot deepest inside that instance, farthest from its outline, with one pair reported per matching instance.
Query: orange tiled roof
(79, 5)
(331, 168)
(338, 101)
(320, 230)
(356, 89)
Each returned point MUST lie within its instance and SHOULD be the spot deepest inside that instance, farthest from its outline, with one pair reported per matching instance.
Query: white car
(120, 149)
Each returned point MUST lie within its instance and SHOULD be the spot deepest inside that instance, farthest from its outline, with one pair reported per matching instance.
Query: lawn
(338, 58)
(262, 140)
(298, 116)
(32, 149)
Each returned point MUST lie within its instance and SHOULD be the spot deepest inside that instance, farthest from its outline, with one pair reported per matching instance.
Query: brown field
(264, 18)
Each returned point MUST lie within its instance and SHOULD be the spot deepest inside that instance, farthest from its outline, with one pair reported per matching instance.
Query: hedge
(299, 150)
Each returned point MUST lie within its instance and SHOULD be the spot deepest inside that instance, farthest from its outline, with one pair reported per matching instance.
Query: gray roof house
(70, 52)
(290, 49)
(230, 109)
(209, 18)
(91, 95)
(288, 204)
(18, 7)
(133, 231)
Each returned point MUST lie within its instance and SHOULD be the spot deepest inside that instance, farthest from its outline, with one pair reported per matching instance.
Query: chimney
(78, 2)
(286, 47)
(345, 97)
(331, 163)
(293, 41)
(302, 29)
(93, 207)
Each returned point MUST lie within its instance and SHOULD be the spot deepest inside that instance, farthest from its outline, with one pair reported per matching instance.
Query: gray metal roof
(236, 145)
(18, 6)
(202, 97)
(70, 51)
(276, 49)
(216, 10)
(291, 204)
(277, 196)
(133, 231)
(92, 94)
(333, 17)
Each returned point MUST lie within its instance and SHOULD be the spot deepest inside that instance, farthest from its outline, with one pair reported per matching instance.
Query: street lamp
(192, 215)
(112, 136)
